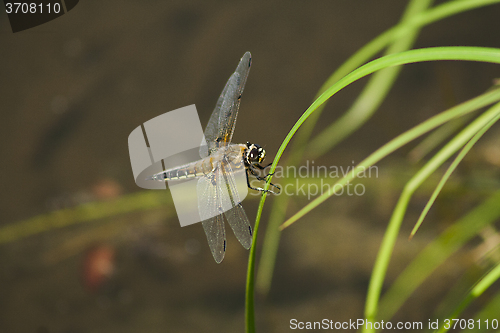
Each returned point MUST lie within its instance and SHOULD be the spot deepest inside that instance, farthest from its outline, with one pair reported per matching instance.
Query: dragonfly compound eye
(254, 155)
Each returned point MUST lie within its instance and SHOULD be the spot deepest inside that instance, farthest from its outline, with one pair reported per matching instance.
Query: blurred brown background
(73, 89)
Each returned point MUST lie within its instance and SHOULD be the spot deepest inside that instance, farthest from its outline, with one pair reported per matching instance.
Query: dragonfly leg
(261, 178)
(256, 188)
(261, 168)
(256, 175)
(265, 167)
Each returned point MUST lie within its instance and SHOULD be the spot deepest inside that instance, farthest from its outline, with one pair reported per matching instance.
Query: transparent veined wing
(218, 194)
(220, 127)
(227, 121)
(217, 191)
(236, 216)
(214, 230)
(213, 131)
(210, 209)
(238, 220)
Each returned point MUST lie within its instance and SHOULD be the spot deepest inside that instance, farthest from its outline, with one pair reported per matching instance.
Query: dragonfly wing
(212, 129)
(220, 127)
(227, 119)
(238, 220)
(209, 205)
(215, 132)
(214, 230)
(236, 216)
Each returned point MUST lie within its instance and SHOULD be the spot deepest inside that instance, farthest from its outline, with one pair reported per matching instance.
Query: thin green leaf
(488, 312)
(452, 239)
(411, 21)
(482, 285)
(437, 137)
(450, 170)
(392, 231)
(398, 142)
(360, 112)
(87, 212)
(377, 88)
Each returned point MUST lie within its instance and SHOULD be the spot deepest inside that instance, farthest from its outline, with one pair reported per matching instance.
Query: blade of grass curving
(488, 312)
(380, 42)
(453, 238)
(402, 37)
(249, 291)
(481, 286)
(457, 285)
(412, 20)
(437, 14)
(469, 106)
(360, 112)
(450, 170)
(436, 138)
(392, 231)
(280, 204)
(272, 236)
(430, 54)
(271, 243)
(401, 140)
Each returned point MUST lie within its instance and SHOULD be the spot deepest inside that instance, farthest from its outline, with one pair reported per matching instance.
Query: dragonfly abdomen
(191, 170)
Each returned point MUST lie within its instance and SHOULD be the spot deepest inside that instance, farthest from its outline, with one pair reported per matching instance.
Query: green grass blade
(482, 285)
(389, 240)
(379, 43)
(393, 228)
(414, 18)
(359, 113)
(271, 244)
(436, 138)
(83, 213)
(488, 312)
(479, 54)
(250, 283)
(459, 110)
(437, 252)
(377, 89)
(450, 170)
(316, 107)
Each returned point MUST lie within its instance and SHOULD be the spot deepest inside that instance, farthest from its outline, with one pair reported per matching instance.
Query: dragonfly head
(254, 153)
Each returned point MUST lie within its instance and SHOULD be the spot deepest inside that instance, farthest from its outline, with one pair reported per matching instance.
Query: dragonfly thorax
(254, 154)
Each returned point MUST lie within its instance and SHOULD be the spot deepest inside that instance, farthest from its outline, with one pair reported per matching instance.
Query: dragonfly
(216, 189)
